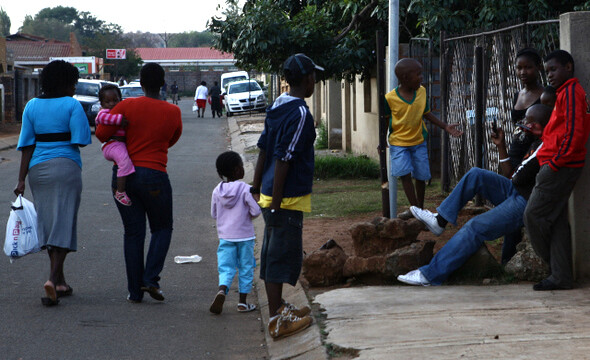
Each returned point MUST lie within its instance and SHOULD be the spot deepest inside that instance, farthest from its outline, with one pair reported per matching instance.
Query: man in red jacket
(561, 157)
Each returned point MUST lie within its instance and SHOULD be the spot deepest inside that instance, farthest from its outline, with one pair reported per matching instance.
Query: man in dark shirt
(215, 97)
(174, 92)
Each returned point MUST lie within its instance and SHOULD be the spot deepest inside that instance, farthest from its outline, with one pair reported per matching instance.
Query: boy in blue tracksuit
(282, 183)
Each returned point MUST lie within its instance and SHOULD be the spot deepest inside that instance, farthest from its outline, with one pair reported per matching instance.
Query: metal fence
(478, 84)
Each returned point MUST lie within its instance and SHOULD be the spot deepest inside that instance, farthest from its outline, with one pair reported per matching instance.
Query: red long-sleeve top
(565, 136)
(153, 126)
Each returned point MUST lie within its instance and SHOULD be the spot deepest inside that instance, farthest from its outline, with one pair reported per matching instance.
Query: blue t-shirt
(54, 115)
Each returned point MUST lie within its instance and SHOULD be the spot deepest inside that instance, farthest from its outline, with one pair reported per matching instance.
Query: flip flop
(67, 292)
(247, 307)
(217, 305)
(51, 298)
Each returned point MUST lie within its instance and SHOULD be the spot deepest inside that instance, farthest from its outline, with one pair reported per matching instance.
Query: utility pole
(393, 50)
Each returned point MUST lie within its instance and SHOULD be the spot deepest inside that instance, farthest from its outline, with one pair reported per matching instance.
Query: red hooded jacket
(565, 136)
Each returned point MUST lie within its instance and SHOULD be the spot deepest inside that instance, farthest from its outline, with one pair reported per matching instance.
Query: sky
(132, 15)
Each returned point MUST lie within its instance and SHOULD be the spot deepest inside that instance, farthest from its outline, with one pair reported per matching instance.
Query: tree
(191, 39)
(339, 35)
(4, 23)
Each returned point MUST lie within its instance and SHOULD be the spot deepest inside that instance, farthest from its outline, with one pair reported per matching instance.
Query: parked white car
(244, 95)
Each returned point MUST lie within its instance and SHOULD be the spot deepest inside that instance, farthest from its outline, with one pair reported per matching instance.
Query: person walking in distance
(201, 99)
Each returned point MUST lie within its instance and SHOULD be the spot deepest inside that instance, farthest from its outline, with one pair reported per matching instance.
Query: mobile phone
(495, 126)
(524, 127)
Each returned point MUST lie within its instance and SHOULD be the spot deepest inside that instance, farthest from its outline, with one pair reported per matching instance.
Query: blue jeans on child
(236, 256)
(505, 217)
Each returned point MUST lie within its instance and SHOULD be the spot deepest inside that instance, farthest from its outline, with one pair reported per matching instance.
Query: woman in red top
(153, 126)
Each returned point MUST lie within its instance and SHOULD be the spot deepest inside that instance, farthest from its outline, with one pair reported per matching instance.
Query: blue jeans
(236, 256)
(505, 217)
(151, 195)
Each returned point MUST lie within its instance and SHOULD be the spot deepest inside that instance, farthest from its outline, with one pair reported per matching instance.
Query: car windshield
(87, 89)
(131, 92)
(243, 87)
(230, 80)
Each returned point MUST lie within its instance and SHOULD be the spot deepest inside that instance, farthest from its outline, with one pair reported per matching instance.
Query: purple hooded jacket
(234, 207)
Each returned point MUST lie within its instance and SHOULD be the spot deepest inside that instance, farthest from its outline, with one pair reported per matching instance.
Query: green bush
(321, 142)
(347, 167)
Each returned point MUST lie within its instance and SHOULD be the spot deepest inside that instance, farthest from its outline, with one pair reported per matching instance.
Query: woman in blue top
(54, 127)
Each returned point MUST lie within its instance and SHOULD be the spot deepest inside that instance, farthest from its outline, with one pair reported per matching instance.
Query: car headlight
(95, 108)
(260, 98)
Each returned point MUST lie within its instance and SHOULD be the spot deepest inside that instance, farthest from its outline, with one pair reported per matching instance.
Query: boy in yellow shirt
(407, 132)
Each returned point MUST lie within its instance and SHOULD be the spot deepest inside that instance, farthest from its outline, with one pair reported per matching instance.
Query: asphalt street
(97, 322)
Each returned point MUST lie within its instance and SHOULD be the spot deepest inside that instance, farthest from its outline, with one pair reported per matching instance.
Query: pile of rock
(383, 249)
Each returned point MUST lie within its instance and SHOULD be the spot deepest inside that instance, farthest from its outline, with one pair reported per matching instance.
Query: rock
(383, 236)
(526, 265)
(408, 258)
(357, 266)
(324, 266)
(480, 265)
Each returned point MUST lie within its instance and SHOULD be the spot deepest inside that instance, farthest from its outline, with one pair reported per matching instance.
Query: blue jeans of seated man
(505, 217)
(151, 196)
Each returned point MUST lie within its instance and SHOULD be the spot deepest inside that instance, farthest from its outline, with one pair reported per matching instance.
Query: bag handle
(20, 199)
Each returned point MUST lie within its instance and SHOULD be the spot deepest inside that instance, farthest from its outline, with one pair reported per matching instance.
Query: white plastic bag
(21, 229)
(194, 108)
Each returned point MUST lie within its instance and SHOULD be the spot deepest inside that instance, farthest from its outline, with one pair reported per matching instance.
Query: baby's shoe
(122, 198)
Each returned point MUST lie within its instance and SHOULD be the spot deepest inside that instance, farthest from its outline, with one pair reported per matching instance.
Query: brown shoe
(299, 312)
(283, 325)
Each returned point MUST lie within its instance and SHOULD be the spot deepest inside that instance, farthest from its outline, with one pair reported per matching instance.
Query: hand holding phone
(495, 126)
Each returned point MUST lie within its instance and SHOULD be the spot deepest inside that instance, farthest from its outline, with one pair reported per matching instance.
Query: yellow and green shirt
(299, 203)
(406, 126)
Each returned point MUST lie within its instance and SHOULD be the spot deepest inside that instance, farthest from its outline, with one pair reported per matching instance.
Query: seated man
(509, 197)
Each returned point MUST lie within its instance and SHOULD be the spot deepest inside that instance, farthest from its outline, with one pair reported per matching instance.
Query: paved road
(97, 322)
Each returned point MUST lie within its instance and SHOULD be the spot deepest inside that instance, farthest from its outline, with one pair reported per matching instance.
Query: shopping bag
(21, 229)
(194, 108)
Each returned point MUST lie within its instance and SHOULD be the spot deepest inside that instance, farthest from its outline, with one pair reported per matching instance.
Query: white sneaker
(414, 277)
(428, 218)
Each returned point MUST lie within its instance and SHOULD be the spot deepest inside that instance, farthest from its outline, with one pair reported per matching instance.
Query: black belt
(52, 137)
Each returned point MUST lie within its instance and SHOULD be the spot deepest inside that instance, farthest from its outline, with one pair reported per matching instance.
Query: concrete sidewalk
(437, 322)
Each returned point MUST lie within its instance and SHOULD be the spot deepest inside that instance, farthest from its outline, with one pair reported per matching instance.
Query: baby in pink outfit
(115, 149)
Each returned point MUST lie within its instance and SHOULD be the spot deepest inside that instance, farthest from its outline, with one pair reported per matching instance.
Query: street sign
(116, 53)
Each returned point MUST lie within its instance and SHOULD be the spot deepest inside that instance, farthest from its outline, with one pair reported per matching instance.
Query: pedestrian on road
(164, 91)
(282, 181)
(215, 97)
(233, 206)
(562, 158)
(174, 92)
(153, 126)
(54, 127)
(201, 99)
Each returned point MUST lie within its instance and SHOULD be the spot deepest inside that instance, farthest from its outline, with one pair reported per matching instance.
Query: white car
(244, 95)
(131, 90)
(87, 94)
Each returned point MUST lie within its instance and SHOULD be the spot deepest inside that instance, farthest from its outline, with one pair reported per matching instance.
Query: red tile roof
(200, 53)
(37, 50)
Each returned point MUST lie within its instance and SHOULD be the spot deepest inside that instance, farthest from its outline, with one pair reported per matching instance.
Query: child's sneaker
(299, 312)
(284, 325)
(217, 305)
(122, 198)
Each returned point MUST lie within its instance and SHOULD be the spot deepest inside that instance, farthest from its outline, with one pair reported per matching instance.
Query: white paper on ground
(187, 259)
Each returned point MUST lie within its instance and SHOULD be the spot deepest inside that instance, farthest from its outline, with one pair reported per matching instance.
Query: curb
(302, 346)
(8, 142)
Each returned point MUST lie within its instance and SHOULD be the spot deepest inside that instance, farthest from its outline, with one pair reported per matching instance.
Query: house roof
(37, 50)
(198, 53)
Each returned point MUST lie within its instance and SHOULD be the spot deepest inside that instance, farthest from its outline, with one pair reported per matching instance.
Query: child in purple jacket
(233, 206)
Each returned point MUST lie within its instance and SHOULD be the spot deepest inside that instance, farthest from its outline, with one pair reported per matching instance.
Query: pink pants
(117, 151)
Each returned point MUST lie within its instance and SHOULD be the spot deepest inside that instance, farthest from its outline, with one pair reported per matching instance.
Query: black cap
(299, 65)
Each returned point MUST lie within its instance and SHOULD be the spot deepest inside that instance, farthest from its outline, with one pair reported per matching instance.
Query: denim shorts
(410, 160)
(282, 247)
